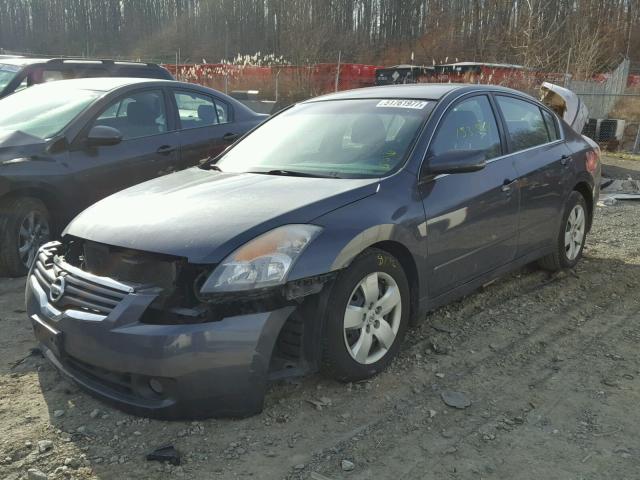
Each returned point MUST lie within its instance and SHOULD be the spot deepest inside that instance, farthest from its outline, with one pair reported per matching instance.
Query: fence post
(566, 73)
(338, 70)
(636, 144)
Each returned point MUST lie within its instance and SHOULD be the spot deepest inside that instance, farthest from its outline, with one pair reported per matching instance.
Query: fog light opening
(156, 386)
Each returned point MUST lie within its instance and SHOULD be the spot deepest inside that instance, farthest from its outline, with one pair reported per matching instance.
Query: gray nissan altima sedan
(313, 243)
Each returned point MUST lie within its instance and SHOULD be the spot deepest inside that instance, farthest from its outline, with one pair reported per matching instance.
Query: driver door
(148, 148)
(472, 218)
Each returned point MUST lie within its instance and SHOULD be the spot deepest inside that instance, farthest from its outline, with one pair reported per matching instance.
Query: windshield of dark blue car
(363, 138)
(44, 110)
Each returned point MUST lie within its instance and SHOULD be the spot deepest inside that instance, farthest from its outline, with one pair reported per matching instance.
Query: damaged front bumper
(165, 371)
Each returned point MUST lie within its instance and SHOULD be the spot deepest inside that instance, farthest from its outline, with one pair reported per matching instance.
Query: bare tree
(535, 33)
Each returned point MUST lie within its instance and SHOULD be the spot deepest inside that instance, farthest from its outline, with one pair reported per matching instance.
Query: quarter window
(525, 124)
(196, 110)
(470, 125)
(551, 125)
(224, 115)
(137, 115)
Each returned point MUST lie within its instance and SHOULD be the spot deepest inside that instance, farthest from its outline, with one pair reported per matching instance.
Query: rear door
(542, 161)
(205, 124)
(149, 146)
(472, 217)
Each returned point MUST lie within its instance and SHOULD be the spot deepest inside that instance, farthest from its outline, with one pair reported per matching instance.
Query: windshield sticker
(415, 104)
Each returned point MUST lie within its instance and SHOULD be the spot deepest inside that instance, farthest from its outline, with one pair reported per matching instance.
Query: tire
(343, 358)
(24, 223)
(566, 256)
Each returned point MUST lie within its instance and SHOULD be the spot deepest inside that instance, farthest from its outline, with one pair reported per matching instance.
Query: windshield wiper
(290, 173)
(211, 166)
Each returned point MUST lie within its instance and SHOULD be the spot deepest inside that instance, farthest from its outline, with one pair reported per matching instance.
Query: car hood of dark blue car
(204, 215)
(15, 144)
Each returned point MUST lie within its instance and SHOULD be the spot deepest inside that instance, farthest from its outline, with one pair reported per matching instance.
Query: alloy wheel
(574, 232)
(372, 318)
(33, 232)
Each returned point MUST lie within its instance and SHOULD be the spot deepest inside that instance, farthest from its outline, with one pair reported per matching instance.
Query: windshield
(342, 139)
(44, 110)
(7, 72)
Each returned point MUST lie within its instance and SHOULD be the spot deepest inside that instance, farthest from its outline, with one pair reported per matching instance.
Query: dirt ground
(551, 366)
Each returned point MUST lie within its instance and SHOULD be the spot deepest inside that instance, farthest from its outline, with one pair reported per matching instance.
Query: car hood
(204, 215)
(15, 144)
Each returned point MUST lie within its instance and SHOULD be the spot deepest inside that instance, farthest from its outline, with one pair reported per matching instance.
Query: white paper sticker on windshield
(415, 104)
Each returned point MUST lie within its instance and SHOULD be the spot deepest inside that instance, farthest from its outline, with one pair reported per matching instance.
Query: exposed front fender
(349, 230)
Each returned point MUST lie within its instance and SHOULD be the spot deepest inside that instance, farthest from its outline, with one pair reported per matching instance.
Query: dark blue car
(314, 242)
(66, 144)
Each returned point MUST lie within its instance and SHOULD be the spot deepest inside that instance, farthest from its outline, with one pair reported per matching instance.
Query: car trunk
(566, 104)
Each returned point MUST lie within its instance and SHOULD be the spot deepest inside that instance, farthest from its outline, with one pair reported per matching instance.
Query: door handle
(230, 137)
(565, 159)
(506, 185)
(165, 149)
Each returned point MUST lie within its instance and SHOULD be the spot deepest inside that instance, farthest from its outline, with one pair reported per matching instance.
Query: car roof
(421, 91)
(24, 61)
(103, 84)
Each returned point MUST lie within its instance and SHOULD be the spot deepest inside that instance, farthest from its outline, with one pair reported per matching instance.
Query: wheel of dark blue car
(571, 237)
(367, 316)
(25, 225)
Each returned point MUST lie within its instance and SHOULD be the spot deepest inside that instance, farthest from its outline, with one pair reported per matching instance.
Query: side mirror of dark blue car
(102, 135)
(454, 161)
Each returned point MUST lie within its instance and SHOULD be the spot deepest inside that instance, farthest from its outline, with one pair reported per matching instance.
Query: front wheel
(25, 226)
(367, 316)
(571, 237)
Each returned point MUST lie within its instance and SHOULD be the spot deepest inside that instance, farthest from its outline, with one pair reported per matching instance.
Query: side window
(23, 84)
(91, 72)
(224, 115)
(54, 75)
(196, 110)
(43, 75)
(136, 115)
(138, 72)
(117, 109)
(525, 124)
(469, 125)
(552, 127)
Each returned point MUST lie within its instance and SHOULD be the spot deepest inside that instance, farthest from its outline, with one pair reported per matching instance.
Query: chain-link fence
(614, 110)
(600, 97)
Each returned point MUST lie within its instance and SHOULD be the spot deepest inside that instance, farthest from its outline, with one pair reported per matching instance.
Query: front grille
(82, 291)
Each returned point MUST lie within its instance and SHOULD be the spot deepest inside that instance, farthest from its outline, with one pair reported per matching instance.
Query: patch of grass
(628, 108)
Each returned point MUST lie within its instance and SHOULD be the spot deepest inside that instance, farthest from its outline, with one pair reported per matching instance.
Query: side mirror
(101, 135)
(455, 161)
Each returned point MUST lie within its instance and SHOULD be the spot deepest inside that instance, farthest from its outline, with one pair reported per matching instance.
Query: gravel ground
(549, 363)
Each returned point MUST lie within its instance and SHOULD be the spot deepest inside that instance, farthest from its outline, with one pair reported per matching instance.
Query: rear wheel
(26, 225)
(571, 237)
(367, 317)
